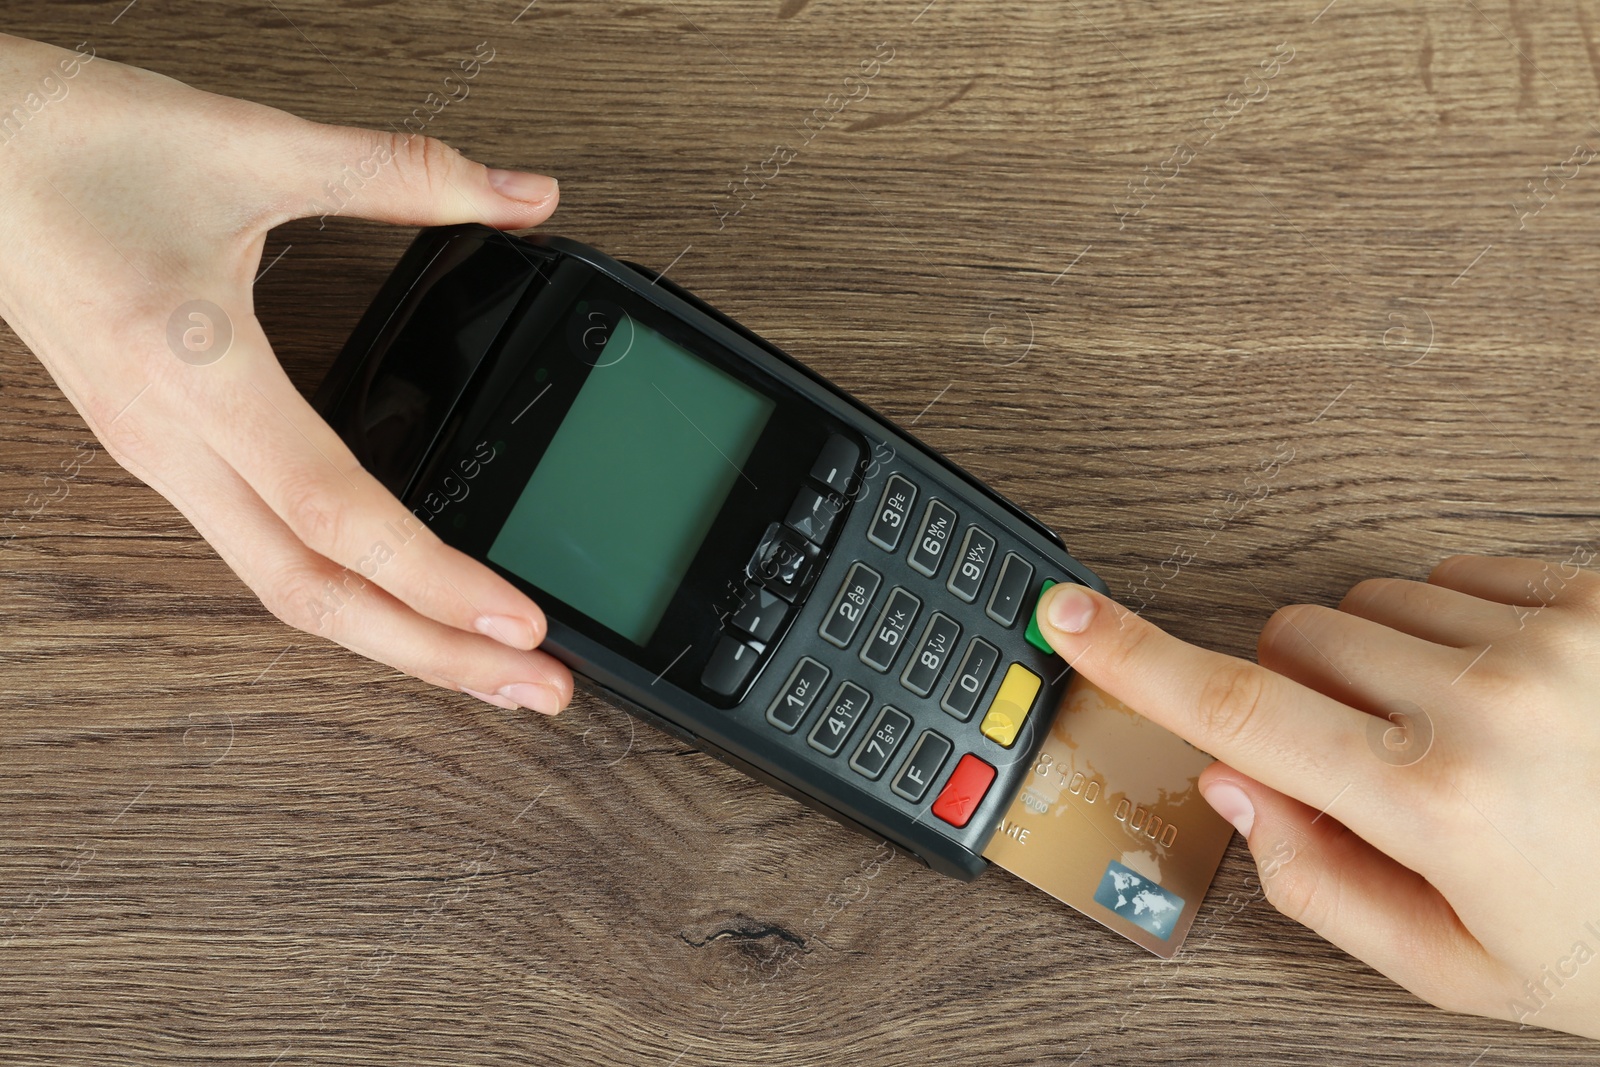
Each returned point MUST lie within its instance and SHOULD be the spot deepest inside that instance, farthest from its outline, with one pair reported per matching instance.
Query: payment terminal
(724, 543)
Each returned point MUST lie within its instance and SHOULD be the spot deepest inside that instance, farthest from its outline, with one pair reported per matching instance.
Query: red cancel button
(964, 791)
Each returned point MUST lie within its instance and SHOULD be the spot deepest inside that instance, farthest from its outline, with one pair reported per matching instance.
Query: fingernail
(508, 630)
(1231, 803)
(1070, 608)
(490, 698)
(520, 185)
(534, 697)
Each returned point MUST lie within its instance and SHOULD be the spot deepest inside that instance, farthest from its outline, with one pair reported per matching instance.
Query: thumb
(1320, 874)
(410, 179)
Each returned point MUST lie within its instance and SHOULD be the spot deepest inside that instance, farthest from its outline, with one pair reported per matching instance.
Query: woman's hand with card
(1415, 771)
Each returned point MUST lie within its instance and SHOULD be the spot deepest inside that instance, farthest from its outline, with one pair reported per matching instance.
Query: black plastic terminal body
(431, 355)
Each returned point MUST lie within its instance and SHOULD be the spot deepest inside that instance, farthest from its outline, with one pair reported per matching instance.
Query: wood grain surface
(1068, 243)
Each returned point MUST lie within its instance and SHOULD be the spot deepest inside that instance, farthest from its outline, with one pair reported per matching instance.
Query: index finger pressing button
(1282, 733)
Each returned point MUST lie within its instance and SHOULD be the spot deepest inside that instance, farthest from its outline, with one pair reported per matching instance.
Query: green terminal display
(629, 485)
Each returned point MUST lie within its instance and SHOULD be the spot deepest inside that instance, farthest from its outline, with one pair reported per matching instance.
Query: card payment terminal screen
(632, 480)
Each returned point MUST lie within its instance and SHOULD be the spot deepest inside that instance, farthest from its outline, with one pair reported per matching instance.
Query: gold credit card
(1111, 821)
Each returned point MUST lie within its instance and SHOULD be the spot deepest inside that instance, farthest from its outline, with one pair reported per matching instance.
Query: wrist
(34, 77)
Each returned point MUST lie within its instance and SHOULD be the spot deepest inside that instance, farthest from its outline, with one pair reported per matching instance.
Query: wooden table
(1075, 249)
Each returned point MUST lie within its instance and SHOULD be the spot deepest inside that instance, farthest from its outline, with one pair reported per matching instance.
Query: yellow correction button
(1010, 706)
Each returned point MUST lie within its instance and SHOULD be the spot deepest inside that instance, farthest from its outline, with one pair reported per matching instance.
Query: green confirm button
(1034, 635)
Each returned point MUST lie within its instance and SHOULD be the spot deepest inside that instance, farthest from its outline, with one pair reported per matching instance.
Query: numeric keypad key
(889, 632)
(889, 729)
(840, 717)
(977, 667)
(937, 645)
(894, 510)
(938, 527)
(851, 603)
(797, 695)
(972, 563)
